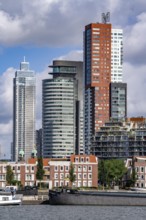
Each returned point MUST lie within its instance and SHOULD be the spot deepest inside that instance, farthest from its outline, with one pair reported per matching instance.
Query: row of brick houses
(56, 171)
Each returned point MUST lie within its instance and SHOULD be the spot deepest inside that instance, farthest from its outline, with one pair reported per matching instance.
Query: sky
(44, 30)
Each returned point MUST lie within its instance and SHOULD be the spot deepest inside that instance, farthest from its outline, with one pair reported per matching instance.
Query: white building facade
(117, 55)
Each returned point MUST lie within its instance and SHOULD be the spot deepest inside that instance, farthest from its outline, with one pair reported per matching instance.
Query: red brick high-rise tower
(97, 68)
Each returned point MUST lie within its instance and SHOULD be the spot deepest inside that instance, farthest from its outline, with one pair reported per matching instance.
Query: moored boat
(6, 198)
(125, 198)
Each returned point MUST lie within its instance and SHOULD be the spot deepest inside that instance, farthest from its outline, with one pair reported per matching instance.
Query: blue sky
(43, 30)
(38, 57)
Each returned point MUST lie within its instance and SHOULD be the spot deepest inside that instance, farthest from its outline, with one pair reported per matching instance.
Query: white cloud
(135, 77)
(75, 55)
(135, 43)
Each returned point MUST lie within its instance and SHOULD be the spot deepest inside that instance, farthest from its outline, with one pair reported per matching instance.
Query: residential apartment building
(97, 61)
(24, 86)
(62, 110)
(103, 58)
(120, 139)
(56, 171)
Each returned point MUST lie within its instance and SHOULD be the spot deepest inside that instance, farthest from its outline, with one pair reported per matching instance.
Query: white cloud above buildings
(59, 23)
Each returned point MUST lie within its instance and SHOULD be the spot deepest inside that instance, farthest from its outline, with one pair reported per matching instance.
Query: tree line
(113, 172)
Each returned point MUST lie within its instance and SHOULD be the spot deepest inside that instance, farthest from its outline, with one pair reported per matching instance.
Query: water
(47, 212)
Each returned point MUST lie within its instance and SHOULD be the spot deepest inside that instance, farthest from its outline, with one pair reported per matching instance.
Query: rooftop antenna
(105, 17)
(24, 58)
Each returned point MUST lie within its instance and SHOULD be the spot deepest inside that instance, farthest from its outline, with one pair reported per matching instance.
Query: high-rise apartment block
(97, 61)
(24, 85)
(103, 58)
(62, 111)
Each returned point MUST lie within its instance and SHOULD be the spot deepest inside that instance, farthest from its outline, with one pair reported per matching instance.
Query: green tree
(9, 175)
(102, 173)
(72, 176)
(111, 171)
(40, 171)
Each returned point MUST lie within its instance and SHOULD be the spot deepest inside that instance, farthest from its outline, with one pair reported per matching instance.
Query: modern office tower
(97, 61)
(118, 101)
(62, 109)
(116, 55)
(24, 112)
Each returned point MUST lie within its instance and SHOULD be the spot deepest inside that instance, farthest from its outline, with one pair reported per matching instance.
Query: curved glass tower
(59, 112)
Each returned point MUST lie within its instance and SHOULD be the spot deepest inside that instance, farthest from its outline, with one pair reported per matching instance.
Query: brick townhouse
(24, 172)
(139, 164)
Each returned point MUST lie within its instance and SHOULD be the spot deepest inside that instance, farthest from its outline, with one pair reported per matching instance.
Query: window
(28, 177)
(142, 169)
(2, 177)
(142, 177)
(76, 159)
(85, 176)
(79, 184)
(66, 168)
(79, 168)
(56, 176)
(137, 169)
(79, 176)
(61, 175)
(61, 168)
(90, 168)
(56, 168)
(87, 159)
(56, 184)
(89, 176)
(61, 183)
(82, 159)
(84, 168)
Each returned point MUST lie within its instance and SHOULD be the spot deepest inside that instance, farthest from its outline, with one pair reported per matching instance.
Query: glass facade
(24, 112)
(118, 100)
(59, 97)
